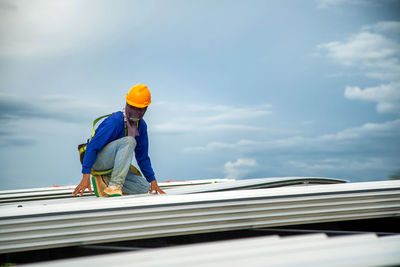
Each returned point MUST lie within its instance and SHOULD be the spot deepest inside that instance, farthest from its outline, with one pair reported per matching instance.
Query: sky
(240, 89)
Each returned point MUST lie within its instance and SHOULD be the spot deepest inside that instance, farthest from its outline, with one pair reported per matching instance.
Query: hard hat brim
(131, 103)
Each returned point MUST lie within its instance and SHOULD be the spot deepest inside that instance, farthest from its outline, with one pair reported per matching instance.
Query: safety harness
(82, 149)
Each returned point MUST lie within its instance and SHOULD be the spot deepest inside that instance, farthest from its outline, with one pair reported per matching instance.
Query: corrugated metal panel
(304, 250)
(58, 192)
(255, 184)
(90, 221)
(178, 187)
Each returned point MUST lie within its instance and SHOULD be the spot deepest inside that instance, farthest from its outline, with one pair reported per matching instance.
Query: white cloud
(387, 96)
(239, 168)
(370, 146)
(46, 27)
(339, 164)
(364, 50)
(375, 51)
(389, 128)
(332, 3)
(390, 28)
(207, 118)
(238, 114)
(37, 27)
(364, 133)
(222, 146)
(174, 127)
(251, 145)
(328, 3)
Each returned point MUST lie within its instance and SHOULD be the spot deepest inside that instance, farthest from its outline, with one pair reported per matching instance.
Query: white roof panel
(304, 250)
(81, 221)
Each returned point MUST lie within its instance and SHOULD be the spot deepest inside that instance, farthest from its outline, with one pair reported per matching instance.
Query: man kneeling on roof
(108, 154)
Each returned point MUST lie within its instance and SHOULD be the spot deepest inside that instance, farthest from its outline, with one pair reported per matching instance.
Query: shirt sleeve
(142, 153)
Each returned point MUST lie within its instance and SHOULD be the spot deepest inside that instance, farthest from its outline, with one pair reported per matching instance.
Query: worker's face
(135, 113)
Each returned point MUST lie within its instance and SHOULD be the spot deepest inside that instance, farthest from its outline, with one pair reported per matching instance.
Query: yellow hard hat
(139, 96)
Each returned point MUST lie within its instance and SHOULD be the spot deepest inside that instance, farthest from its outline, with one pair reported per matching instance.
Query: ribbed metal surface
(174, 187)
(255, 184)
(91, 221)
(58, 192)
(304, 250)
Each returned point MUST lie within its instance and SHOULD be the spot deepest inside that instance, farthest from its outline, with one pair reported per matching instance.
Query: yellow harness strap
(131, 168)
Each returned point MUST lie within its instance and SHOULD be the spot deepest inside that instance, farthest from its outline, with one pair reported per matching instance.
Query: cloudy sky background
(240, 89)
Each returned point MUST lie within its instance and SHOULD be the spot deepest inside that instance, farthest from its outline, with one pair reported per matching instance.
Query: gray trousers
(117, 155)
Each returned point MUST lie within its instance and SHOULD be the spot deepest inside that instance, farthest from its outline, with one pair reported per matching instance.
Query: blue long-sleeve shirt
(113, 128)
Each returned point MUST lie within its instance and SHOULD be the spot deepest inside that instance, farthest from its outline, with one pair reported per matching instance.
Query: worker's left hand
(154, 189)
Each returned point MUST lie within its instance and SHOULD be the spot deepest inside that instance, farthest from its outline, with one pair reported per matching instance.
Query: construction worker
(112, 146)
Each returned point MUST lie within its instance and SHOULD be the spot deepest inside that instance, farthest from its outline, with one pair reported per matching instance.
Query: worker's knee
(144, 187)
(129, 141)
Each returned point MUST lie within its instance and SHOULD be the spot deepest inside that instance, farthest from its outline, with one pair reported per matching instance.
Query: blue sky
(240, 89)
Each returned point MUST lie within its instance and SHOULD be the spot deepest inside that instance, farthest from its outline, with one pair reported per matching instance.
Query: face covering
(133, 115)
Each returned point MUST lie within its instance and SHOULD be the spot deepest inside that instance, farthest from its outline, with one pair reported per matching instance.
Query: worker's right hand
(85, 183)
(154, 189)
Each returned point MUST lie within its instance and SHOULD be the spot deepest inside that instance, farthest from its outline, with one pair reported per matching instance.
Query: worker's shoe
(113, 191)
(99, 185)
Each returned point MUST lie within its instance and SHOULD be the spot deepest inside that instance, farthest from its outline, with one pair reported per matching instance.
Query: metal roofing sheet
(304, 250)
(173, 187)
(71, 187)
(90, 221)
(255, 184)
(57, 192)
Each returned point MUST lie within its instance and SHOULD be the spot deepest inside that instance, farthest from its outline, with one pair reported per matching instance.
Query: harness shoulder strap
(95, 122)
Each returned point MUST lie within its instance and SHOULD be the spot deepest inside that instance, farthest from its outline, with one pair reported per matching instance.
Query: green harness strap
(95, 122)
(83, 149)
